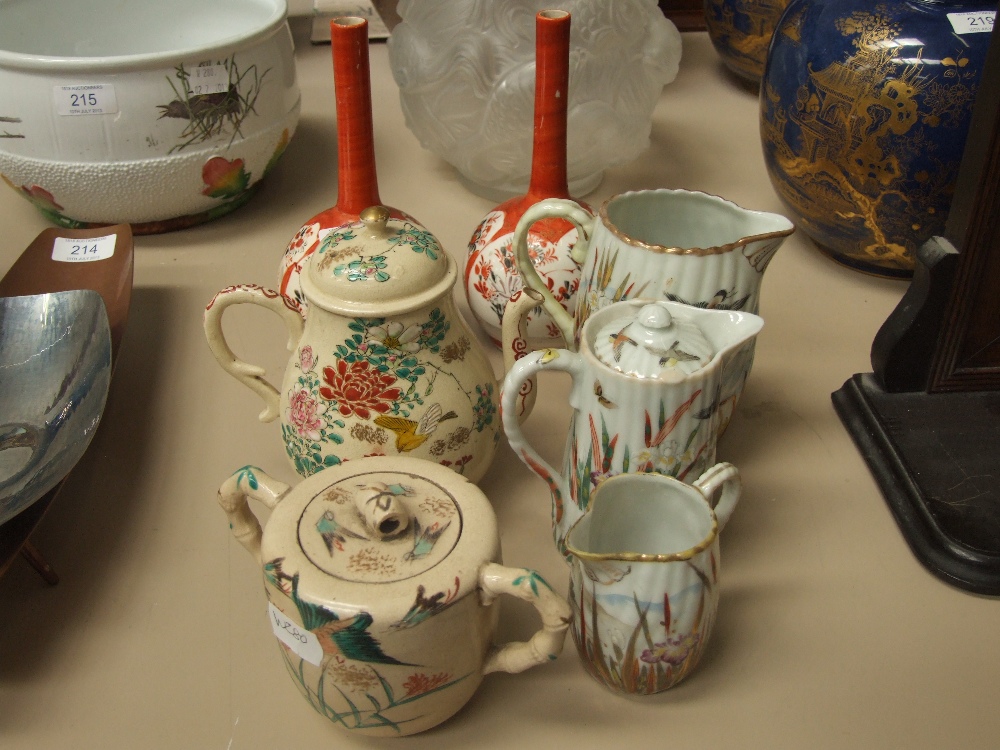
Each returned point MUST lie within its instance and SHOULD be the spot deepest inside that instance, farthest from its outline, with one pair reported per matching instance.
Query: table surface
(829, 634)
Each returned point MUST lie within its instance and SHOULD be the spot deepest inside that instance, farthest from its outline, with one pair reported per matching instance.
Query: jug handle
(252, 376)
(547, 642)
(520, 373)
(249, 482)
(553, 208)
(726, 476)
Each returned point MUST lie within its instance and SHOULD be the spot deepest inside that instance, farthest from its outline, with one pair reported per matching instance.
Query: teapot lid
(373, 530)
(657, 342)
(377, 266)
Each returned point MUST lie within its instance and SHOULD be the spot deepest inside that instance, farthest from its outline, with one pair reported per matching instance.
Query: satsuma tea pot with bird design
(381, 578)
(383, 364)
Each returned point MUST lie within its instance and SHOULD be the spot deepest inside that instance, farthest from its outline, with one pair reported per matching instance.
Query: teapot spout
(728, 330)
(737, 334)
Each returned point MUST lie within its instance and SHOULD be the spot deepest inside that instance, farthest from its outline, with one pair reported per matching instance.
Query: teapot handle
(726, 476)
(547, 642)
(553, 208)
(245, 483)
(251, 376)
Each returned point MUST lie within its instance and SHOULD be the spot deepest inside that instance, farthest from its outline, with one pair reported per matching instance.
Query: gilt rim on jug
(644, 557)
(674, 250)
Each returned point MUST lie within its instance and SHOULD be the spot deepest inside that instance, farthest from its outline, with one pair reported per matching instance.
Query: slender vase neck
(548, 156)
(357, 180)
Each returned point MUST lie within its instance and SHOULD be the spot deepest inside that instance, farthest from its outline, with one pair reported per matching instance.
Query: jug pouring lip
(726, 330)
(573, 550)
(782, 228)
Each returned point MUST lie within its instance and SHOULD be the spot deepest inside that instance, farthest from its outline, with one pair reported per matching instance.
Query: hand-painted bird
(202, 105)
(333, 533)
(424, 606)
(724, 300)
(618, 342)
(720, 301)
(672, 354)
(708, 410)
(275, 575)
(424, 539)
(411, 434)
(349, 637)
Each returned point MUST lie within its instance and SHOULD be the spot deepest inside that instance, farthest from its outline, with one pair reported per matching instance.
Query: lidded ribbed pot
(646, 397)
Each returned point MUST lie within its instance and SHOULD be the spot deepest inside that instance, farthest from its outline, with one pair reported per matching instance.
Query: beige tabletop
(830, 634)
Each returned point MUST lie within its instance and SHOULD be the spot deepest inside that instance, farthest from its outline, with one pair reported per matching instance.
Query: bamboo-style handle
(246, 483)
(547, 642)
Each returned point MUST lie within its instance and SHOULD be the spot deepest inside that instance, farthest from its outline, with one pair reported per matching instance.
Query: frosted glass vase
(466, 76)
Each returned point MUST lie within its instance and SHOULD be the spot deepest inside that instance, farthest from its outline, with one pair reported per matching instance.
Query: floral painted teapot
(645, 397)
(382, 577)
(383, 364)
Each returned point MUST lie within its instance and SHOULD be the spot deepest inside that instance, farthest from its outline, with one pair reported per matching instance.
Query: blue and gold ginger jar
(865, 109)
(740, 31)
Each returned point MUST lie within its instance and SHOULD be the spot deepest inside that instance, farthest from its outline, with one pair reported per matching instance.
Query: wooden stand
(935, 456)
(687, 15)
(927, 421)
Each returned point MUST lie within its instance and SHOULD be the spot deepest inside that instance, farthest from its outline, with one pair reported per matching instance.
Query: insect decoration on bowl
(219, 109)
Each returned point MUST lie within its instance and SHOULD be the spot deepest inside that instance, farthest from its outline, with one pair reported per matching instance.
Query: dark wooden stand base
(936, 457)
(15, 537)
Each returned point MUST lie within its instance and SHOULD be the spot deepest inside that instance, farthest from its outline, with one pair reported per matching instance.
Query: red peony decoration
(358, 387)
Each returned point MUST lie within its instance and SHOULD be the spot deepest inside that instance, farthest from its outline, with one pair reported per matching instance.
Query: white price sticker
(86, 99)
(300, 641)
(209, 79)
(972, 22)
(84, 251)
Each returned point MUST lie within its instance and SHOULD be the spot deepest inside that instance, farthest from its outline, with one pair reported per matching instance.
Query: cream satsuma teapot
(383, 364)
(382, 578)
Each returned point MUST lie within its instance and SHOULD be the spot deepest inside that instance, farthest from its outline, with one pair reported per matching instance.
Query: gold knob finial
(375, 219)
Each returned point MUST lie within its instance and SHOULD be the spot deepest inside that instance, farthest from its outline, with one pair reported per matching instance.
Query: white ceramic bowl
(159, 114)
